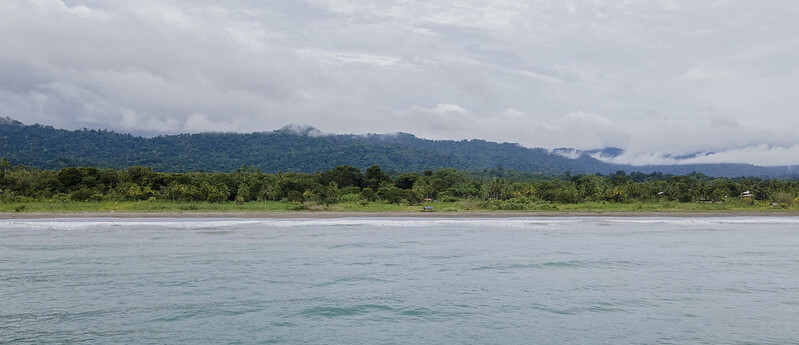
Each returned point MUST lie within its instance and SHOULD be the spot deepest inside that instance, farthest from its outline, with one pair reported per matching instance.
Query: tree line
(498, 188)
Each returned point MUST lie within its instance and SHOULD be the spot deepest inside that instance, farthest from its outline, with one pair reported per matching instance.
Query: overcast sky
(659, 79)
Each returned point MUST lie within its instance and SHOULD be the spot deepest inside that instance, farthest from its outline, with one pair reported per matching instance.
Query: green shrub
(512, 205)
(83, 194)
(783, 198)
(349, 198)
(446, 197)
(368, 194)
(350, 190)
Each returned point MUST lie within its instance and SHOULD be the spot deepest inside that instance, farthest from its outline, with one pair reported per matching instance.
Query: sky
(669, 82)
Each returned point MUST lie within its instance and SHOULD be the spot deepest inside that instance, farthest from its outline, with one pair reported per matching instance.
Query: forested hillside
(293, 150)
(281, 150)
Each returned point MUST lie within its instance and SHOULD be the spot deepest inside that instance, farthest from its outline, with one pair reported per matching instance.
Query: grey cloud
(659, 79)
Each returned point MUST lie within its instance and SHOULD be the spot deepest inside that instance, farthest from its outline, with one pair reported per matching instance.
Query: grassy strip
(456, 206)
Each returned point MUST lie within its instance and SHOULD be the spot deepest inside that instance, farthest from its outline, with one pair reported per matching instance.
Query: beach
(323, 215)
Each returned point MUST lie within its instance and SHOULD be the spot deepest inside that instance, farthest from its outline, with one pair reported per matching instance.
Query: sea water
(400, 281)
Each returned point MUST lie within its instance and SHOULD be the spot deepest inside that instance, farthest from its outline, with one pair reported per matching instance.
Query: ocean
(562, 280)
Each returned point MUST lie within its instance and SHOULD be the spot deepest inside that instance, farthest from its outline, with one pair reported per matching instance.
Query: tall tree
(4, 166)
(374, 177)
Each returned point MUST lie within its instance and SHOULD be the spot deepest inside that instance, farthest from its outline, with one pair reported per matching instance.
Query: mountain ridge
(306, 149)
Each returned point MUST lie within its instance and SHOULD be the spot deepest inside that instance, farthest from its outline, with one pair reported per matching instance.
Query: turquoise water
(400, 281)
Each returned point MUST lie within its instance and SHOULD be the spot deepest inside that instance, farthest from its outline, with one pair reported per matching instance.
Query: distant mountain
(302, 149)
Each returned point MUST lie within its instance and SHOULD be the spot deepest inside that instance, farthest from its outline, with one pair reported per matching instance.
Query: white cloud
(343, 57)
(708, 138)
(763, 155)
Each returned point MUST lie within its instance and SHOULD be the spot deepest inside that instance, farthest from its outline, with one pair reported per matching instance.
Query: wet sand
(305, 214)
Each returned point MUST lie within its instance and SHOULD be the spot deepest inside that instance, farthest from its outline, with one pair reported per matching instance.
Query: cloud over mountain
(659, 79)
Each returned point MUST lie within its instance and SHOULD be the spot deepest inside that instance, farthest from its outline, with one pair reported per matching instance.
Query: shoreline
(333, 215)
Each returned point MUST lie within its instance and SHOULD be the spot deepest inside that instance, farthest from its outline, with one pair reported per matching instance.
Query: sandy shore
(486, 214)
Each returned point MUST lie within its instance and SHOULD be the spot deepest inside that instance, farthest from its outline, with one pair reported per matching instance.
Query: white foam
(67, 224)
(706, 220)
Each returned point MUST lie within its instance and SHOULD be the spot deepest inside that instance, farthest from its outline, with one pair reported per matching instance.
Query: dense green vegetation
(303, 150)
(289, 149)
(348, 188)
